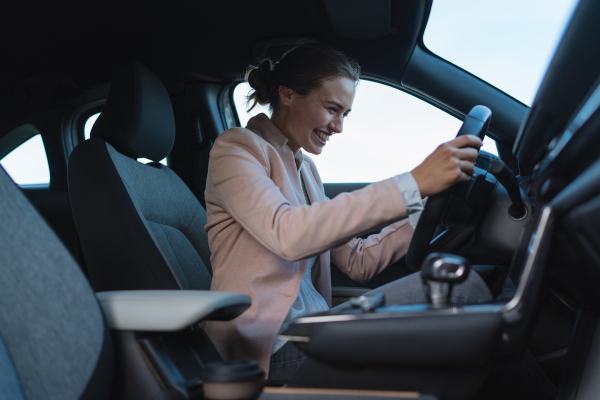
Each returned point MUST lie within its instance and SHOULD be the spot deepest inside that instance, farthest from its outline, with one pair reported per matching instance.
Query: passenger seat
(54, 343)
(139, 225)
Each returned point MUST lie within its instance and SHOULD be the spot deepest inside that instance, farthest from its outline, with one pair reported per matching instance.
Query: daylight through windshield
(508, 43)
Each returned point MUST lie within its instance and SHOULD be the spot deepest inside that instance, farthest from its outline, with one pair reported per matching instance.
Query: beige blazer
(261, 233)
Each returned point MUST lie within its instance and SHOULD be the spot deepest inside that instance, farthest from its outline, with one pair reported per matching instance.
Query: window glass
(388, 132)
(508, 43)
(87, 129)
(239, 99)
(28, 164)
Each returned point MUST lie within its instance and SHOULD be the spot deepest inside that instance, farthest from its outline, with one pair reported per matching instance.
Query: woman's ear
(285, 95)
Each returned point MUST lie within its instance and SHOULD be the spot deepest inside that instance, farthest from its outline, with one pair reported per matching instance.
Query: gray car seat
(139, 225)
(54, 343)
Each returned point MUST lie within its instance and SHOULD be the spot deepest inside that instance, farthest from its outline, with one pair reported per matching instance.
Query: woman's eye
(332, 109)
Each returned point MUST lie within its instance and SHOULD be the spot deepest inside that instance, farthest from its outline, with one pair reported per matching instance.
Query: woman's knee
(409, 290)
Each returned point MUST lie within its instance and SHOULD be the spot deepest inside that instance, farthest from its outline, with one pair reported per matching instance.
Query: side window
(27, 164)
(87, 129)
(388, 132)
(239, 99)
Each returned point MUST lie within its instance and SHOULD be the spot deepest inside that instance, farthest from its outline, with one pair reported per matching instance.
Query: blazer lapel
(321, 273)
(313, 190)
(292, 172)
(321, 276)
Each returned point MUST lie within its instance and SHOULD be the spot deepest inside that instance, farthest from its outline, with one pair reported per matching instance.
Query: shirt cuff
(411, 196)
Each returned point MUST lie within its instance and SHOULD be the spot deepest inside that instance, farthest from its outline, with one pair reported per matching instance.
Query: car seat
(54, 332)
(139, 225)
(54, 343)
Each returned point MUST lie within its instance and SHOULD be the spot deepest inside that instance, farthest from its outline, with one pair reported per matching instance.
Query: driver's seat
(139, 225)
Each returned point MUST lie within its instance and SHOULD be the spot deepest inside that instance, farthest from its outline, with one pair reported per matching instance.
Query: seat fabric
(9, 383)
(139, 225)
(51, 327)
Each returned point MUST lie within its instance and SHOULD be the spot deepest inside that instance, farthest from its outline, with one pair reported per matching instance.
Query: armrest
(168, 310)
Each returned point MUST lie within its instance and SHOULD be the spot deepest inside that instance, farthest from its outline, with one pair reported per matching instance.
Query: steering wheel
(476, 123)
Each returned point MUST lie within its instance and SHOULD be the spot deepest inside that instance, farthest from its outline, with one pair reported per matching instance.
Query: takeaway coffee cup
(232, 380)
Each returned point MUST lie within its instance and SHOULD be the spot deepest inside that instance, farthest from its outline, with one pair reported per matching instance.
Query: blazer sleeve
(362, 259)
(239, 179)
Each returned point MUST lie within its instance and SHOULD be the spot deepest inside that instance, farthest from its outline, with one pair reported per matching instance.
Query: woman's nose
(337, 125)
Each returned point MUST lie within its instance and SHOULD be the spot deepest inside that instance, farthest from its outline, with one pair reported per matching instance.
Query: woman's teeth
(322, 136)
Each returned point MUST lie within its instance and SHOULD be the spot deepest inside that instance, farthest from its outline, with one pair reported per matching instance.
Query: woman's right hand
(451, 162)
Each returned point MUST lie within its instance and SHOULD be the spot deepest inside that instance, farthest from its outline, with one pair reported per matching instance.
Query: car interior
(106, 270)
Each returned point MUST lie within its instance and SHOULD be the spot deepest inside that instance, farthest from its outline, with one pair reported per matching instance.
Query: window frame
(226, 103)
(74, 125)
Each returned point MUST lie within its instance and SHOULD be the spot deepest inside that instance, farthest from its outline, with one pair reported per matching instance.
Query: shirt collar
(298, 158)
(265, 128)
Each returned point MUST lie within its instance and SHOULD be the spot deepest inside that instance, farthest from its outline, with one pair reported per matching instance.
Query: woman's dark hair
(302, 69)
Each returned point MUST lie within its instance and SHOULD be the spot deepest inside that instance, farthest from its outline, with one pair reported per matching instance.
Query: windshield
(508, 43)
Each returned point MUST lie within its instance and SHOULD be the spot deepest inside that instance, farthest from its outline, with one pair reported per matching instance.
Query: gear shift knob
(439, 272)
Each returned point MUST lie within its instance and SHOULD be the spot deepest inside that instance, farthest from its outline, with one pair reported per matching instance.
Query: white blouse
(308, 300)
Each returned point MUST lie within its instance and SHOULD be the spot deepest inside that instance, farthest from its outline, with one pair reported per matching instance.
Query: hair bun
(259, 78)
(265, 67)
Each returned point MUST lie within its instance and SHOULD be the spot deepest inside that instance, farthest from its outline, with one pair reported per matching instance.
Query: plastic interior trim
(540, 237)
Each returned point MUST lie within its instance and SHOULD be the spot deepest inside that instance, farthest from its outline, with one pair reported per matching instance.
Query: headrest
(138, 118)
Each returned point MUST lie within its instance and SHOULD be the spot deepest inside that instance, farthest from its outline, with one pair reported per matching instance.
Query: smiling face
(309, 121)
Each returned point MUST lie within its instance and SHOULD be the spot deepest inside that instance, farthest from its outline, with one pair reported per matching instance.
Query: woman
(271, 230)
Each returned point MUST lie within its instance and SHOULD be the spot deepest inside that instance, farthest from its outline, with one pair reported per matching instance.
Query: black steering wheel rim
(476, 123)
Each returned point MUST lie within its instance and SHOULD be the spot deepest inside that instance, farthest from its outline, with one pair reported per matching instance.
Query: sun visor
(359, 19)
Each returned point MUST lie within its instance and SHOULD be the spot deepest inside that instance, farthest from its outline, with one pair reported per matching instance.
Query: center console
(444, 350)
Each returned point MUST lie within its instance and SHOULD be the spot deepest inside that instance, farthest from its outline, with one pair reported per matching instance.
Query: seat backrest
(53, 340)
(139, 225)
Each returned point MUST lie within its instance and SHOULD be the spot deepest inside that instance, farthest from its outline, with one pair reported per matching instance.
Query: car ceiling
(55, 52)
